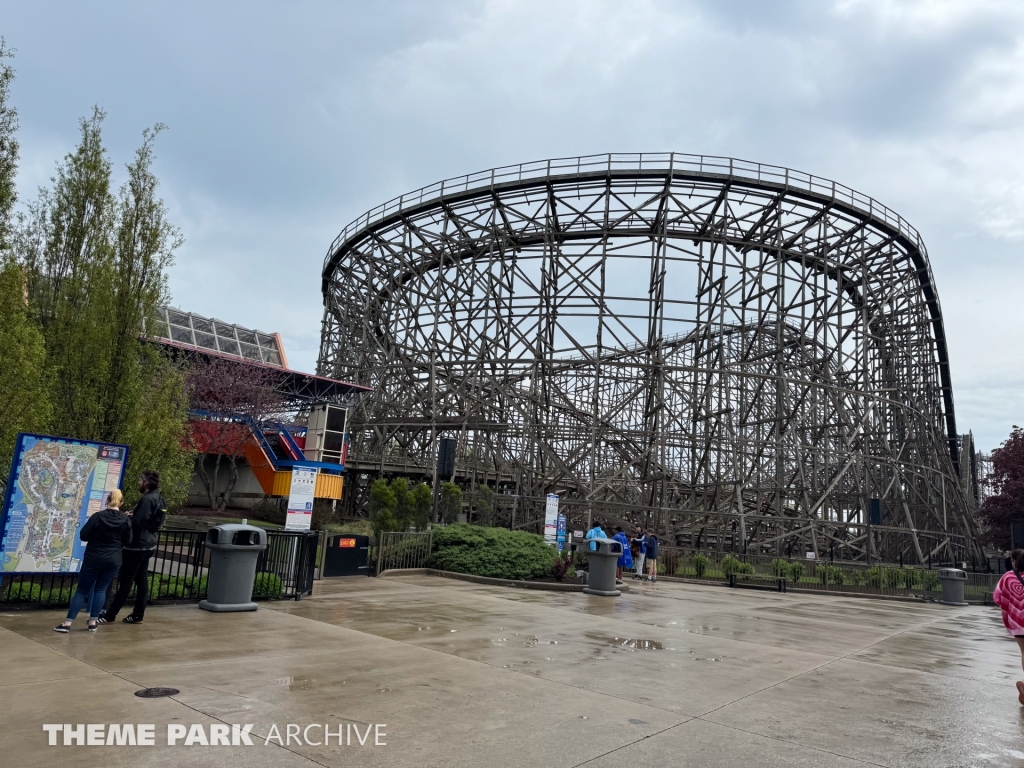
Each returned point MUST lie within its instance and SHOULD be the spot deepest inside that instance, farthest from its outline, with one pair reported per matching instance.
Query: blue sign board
(54, 485)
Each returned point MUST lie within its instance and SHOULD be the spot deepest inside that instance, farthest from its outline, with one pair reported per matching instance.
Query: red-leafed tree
(226, 398)
(1006, 505)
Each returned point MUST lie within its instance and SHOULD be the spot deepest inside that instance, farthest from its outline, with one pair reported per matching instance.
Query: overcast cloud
(288, 120)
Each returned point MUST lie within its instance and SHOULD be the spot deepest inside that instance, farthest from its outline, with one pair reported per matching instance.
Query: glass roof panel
(228, 346)
(181, 334)
(215, 335)
(206, 340)
(202, 324)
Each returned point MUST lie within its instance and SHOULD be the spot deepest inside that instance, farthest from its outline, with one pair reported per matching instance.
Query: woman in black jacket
(105, 534)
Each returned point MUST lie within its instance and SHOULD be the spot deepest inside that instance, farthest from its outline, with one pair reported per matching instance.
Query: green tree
(451, 502)
(485, 506)
(403, 503)
(24, 379)
(95, 267)
(381, 506)
(8, 145)
(1006, 504)
(422, 498)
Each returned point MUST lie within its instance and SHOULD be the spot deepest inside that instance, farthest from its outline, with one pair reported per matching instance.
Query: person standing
(651, 556)
(639, 550)
(1009, 596)
(626, 558)
(105, 533)
(147, 517)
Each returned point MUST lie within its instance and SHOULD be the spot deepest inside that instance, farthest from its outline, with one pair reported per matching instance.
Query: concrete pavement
(471, 675)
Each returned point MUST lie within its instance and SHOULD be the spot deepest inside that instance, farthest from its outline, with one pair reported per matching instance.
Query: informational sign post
(563, 529)
(300, 499)
(551, 519)
(55, 484)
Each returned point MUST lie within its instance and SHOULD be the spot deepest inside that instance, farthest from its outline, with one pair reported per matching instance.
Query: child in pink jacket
(1009, 596)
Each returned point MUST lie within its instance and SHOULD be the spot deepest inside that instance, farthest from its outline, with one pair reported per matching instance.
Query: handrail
(646, 164)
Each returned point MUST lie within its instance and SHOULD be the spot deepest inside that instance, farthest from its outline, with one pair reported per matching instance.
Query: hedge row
(494, 552)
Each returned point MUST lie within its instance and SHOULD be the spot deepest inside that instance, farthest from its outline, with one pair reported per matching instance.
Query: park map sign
(54, 485)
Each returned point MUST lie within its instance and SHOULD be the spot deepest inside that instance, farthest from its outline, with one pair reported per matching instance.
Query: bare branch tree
(228, 399)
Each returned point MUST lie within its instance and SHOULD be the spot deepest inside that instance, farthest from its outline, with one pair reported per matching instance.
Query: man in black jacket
(147, 517)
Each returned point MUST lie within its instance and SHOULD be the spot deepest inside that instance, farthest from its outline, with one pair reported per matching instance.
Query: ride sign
(300, 499)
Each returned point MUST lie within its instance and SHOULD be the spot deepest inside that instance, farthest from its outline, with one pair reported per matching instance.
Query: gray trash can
(233, 553)
(602, 554)
(953, 582)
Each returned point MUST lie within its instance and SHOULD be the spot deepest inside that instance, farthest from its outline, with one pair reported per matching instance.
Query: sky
(288, 120)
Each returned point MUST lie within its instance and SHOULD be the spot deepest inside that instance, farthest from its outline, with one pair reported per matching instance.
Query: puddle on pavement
(629, 643)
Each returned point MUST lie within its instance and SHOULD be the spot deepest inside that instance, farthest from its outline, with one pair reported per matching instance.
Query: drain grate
(156, 693)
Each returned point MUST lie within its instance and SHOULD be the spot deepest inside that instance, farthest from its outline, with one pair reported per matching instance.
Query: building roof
(187, 329)
(188, 334)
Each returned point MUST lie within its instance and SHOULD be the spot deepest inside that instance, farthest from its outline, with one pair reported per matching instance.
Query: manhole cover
(156, 693)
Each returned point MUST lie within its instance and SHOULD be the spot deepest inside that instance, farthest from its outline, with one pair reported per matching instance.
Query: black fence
(178, 572)
(819, 575)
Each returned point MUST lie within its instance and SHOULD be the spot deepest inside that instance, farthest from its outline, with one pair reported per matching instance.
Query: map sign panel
(55, 484)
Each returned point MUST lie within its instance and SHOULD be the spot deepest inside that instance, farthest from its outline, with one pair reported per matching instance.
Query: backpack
(157, 516)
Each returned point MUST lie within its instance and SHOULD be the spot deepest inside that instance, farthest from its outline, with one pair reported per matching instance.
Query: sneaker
(62, 628)
(129, 619)
(102, 620)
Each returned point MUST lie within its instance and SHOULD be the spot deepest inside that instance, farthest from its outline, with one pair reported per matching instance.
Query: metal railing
(622, 163)
(178, 571)
(820, 575)
(402, 549)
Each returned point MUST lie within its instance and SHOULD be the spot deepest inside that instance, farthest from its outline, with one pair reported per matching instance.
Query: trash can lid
(608, 546)
(952, 573)
(236, 536)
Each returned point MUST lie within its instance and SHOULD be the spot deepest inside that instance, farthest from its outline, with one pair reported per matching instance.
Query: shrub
(579, 559)
(267, 586)
(22, 591)
(893, 578)
(493, 552)
(559, 569)
(732, 566)
(781, 568)
(700, 564)
(29, 592)
(929, 581)
(830, 574)
(358, 527)
(796, 571)
(855, 576)
(176, 587)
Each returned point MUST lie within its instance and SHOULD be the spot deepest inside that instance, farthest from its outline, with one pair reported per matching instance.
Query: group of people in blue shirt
(641, 550)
